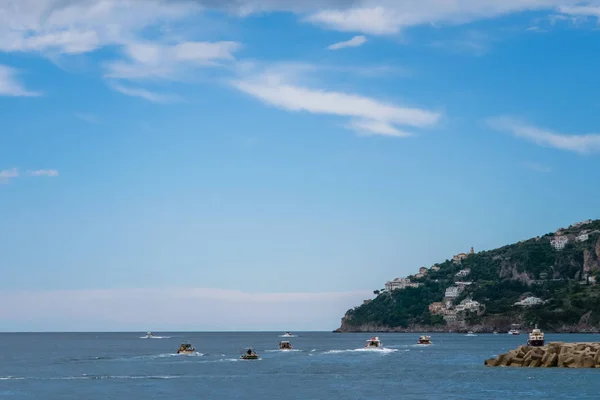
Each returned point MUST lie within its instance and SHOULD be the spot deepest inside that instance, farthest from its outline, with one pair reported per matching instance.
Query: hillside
(553, 276)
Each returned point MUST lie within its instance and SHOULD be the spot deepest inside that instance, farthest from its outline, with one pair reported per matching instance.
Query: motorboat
(149, 334)
(186, 348)
(514, 330)
(287, 334)
(250, 355)
(470, 333)
(285, 345)
(424, 340)
(536, 337)
(374, 342)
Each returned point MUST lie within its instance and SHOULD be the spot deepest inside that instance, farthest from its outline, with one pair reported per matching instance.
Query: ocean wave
(282, 351)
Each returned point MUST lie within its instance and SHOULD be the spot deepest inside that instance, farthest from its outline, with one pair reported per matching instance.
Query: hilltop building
(461, 256)
(559, 242)
(399, 283)
(530, 301)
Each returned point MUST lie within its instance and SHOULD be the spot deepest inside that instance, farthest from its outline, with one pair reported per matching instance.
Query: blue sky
(255, 156)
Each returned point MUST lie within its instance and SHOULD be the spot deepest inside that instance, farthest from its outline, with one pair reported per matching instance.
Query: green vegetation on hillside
(501, 277)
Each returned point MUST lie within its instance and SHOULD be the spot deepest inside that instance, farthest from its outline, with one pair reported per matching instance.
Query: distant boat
(186, 348)
(150, 335)
(250, 355)
(287, 334)
(285, 345)
(374, 342)
(470, 333)
(536, 337)
(425, 340)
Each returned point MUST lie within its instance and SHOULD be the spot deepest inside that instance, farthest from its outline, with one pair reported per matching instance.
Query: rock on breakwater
(555, 354)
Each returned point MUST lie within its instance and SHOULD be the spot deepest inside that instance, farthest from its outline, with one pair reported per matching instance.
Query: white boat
(285, 345)
(536, 337)
(514, 330)
(149, 335)
(424, 340)
(373, 343)
(288, 334)
(470, 333)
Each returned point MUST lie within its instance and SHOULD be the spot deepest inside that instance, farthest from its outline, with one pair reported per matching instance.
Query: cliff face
(563, 279)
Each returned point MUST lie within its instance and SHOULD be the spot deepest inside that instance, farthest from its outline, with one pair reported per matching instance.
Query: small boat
(374, 342)
(287, 334)
(470, 333)
(149, 335)
(186, 348)
(536, 337)
(425, 340)
(285, 345)
(250, 355)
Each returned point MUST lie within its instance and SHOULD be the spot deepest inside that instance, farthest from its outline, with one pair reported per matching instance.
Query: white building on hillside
(559, 242)
(530, 301)
(583, 236)
(399, 283)
(463, 272)
(452, 292)
(469, 305)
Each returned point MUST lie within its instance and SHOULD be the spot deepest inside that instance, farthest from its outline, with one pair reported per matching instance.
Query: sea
(323, 365)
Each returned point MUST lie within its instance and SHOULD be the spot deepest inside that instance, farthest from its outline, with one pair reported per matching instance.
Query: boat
(250, 355)
(536, 337)
(186, 348)
(425, 340)
(514, 330)
(149, 335)
(285, 345)
(287, 334)
(374, 342)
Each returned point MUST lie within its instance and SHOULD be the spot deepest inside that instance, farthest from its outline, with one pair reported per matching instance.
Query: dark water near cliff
(326, 366)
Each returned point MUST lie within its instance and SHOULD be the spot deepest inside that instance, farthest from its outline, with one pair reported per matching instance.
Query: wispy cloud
(581, 10)
(10, 85)
(537, 167)
(147, 60)
(7, 174)
(583, 144)
(374, 20)
(169, 309)
(356, 41)
(367, 114)
(145, 94)
(43, 172)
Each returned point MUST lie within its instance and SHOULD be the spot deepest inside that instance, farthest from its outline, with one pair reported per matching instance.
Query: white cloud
(43, 172)
(581, 11)
(9, 84)
(356, 41)
(376, 20)
(7, 174)
(583, 144)
(81, 26)
(147, 60)
(171, 309)
(368, 114)
(145, 94)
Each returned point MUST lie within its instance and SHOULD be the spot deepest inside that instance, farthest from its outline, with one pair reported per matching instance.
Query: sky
(267, 164)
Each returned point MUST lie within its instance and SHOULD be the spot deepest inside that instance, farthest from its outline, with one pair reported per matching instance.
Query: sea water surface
(323, 366)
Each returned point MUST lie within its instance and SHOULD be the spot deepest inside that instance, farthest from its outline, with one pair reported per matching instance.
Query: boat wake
(282, 351)
(155, 337)
(385, 350)
(288, 336)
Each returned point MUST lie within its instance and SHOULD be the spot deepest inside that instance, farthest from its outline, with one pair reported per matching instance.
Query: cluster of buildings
(530, 301)
(560, 240)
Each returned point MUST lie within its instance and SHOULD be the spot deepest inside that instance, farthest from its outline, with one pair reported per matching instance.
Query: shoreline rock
(555, 354)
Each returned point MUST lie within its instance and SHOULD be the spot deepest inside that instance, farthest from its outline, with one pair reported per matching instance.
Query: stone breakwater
(555, 354)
